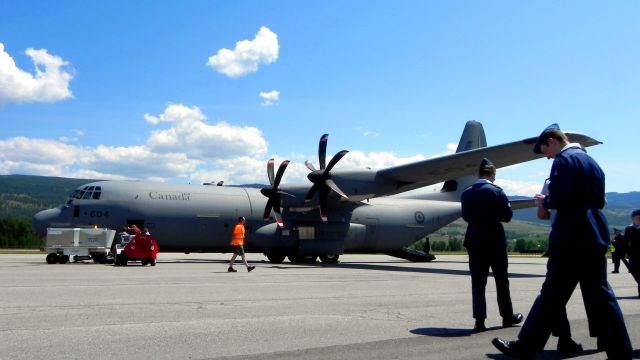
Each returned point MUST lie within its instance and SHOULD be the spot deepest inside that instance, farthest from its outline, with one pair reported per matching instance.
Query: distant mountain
(21, 196)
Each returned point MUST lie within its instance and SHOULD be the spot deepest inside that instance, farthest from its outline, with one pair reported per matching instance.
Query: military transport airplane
(341, 210)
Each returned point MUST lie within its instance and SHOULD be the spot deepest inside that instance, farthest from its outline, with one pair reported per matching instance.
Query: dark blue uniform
(578, 243)
(632, 236)
(485, 207)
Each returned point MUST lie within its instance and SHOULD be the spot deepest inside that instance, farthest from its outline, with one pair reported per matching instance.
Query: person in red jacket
(237, 243)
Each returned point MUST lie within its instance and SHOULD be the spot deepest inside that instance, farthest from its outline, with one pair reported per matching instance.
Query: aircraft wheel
(52, 258)
(64, 259)
(329, 259)
(276, 257)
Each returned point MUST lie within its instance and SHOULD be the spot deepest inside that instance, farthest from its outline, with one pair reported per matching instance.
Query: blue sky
(193, 91)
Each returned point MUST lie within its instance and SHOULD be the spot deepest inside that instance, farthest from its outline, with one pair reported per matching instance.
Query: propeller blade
(270, 165)
(278, 216)
(323, 205)
(322, 150)
(272, 193)
(311, 192)
(335, 188)
(309, 165)
(281, 169)
(267, 209)
(335, 159)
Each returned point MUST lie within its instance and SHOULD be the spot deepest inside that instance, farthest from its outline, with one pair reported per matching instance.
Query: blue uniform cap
(485, 162)
(635, 213)
(536, 147)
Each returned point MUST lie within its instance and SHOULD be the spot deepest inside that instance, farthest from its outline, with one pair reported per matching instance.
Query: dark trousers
(634, 260)
(603, 312)
(616, 258)
(479, 263)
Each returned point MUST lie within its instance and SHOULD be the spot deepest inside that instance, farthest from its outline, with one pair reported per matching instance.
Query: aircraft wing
(432, 171)
(522, 204)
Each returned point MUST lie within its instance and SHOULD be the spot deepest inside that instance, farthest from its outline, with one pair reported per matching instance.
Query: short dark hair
(241, 218)
(486, 170)
(553, 134)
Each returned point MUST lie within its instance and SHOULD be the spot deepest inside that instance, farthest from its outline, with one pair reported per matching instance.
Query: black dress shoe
(479, 326)
(513, 320)
(513, 349)
(568, 347)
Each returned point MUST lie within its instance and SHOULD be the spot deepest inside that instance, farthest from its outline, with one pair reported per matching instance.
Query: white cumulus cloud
(191, 135)
(247, 55)
(270, 97)
(50, 83)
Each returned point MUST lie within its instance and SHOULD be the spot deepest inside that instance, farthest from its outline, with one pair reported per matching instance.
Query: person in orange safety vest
(237, 243)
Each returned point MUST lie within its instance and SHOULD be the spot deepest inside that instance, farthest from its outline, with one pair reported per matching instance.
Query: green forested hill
(21, 196)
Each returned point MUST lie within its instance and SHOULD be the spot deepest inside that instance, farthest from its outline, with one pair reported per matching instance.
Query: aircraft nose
(42, 219)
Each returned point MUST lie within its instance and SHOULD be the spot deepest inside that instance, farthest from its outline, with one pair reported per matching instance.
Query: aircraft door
(213, 231)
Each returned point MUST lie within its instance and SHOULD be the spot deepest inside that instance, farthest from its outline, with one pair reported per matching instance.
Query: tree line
(16, 233)
(455, 244)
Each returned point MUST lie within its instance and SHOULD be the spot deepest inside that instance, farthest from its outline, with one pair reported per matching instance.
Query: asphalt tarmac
(189, 307)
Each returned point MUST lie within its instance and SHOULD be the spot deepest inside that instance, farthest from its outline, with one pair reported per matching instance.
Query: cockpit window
(87, 193)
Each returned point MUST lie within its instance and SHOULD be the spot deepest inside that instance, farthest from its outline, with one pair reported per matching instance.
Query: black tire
(123, 259)
(63, 259)
(329, 259)
(52, 258)
(152, 262)
(276, 257)
(144, 262)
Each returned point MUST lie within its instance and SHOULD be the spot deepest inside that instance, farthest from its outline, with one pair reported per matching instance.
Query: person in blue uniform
(485, 207)
(578, 243)
(620, 249)
(632, 236)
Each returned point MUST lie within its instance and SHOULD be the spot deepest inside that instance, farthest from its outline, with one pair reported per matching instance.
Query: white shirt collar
(571, 145)
(483, 181)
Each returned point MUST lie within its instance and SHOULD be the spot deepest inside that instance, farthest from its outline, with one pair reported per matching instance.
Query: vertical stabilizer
(472, 138)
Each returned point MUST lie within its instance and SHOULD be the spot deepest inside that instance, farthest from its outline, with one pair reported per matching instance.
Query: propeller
(321, 178)
(273, 193)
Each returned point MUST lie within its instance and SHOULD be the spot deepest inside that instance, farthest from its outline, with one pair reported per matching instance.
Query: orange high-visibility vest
(238, 235)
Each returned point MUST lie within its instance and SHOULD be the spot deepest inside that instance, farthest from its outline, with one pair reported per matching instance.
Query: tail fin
(472, 137)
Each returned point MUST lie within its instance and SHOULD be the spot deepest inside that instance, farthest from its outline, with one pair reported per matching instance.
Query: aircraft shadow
(369, 266)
